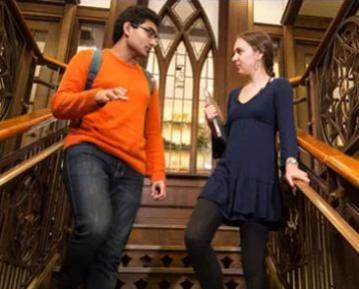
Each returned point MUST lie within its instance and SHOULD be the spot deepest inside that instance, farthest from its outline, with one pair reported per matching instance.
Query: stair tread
(172, 270)
(178, 227)
(135, 247)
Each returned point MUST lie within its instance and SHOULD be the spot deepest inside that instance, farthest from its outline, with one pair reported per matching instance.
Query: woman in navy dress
(244, 188)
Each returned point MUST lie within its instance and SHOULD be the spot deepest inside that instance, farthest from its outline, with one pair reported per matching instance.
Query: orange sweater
(129, 130)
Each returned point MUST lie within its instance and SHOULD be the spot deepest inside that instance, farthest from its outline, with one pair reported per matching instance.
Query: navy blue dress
(245, 182)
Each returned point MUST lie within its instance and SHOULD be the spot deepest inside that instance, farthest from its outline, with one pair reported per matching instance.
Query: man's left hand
(158, 190)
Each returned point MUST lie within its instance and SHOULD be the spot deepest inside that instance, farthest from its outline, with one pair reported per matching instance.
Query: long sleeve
(155, 166)
(71, 101)
(219, 145)
(285, 120)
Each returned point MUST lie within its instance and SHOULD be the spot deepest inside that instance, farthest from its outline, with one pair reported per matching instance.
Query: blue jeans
(105, 194)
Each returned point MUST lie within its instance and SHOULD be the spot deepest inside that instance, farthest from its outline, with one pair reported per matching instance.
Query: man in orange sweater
(114, 145)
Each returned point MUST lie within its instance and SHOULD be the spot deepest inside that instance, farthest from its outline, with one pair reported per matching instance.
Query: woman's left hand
(292, 172)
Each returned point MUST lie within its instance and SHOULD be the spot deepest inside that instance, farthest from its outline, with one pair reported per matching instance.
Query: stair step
(179, 197)
(169, 234)
(174, 270)
(182, 192)
(163, 215)
(177, 227)
(133, 247)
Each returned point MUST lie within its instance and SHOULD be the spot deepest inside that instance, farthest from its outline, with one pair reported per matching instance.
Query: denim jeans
(105, 194)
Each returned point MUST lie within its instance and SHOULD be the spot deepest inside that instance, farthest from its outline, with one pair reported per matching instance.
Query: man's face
(142, 38)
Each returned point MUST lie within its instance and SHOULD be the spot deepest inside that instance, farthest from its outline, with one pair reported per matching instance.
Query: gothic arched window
(184, 68)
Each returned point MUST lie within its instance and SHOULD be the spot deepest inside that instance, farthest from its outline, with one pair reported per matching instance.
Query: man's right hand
(103, 96)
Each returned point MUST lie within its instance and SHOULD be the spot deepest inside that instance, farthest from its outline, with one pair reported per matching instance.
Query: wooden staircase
(155, 256)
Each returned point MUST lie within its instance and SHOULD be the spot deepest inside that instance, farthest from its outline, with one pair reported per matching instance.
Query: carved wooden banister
(324, 214)
(345, 166)
(330, 214)
(28, 164)
(346, 7)
(342, 164)
(17, 125)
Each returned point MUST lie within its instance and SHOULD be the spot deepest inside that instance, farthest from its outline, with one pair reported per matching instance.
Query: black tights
(204, 222)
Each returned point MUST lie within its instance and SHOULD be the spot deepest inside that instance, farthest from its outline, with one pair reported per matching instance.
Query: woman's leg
(204, 222)
(254, 237)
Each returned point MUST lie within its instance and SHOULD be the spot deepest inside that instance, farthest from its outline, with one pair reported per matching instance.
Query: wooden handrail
(331, 215)
(54, 63)
(295, 81)
(344, 165)
(16, 125)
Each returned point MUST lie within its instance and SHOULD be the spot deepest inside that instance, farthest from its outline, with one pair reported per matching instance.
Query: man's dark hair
(136, 15)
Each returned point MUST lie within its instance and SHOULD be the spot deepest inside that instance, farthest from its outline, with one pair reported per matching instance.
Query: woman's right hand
(210, 111)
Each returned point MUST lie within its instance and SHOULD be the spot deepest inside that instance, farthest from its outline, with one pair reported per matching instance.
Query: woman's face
(245, 58)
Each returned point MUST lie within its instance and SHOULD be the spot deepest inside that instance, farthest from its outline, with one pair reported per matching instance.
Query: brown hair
(261, 42)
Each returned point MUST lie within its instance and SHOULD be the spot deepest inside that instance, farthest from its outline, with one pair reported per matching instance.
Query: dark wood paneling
(274, 30)
(92, 14)
(221, 58)
(289, 51)
(237, 23)
(68, 23)
(308, 35)
(42, 11)
(175, 216)
(312, 22)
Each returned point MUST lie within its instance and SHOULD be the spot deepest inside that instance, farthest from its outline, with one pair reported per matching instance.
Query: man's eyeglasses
(152, 34)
